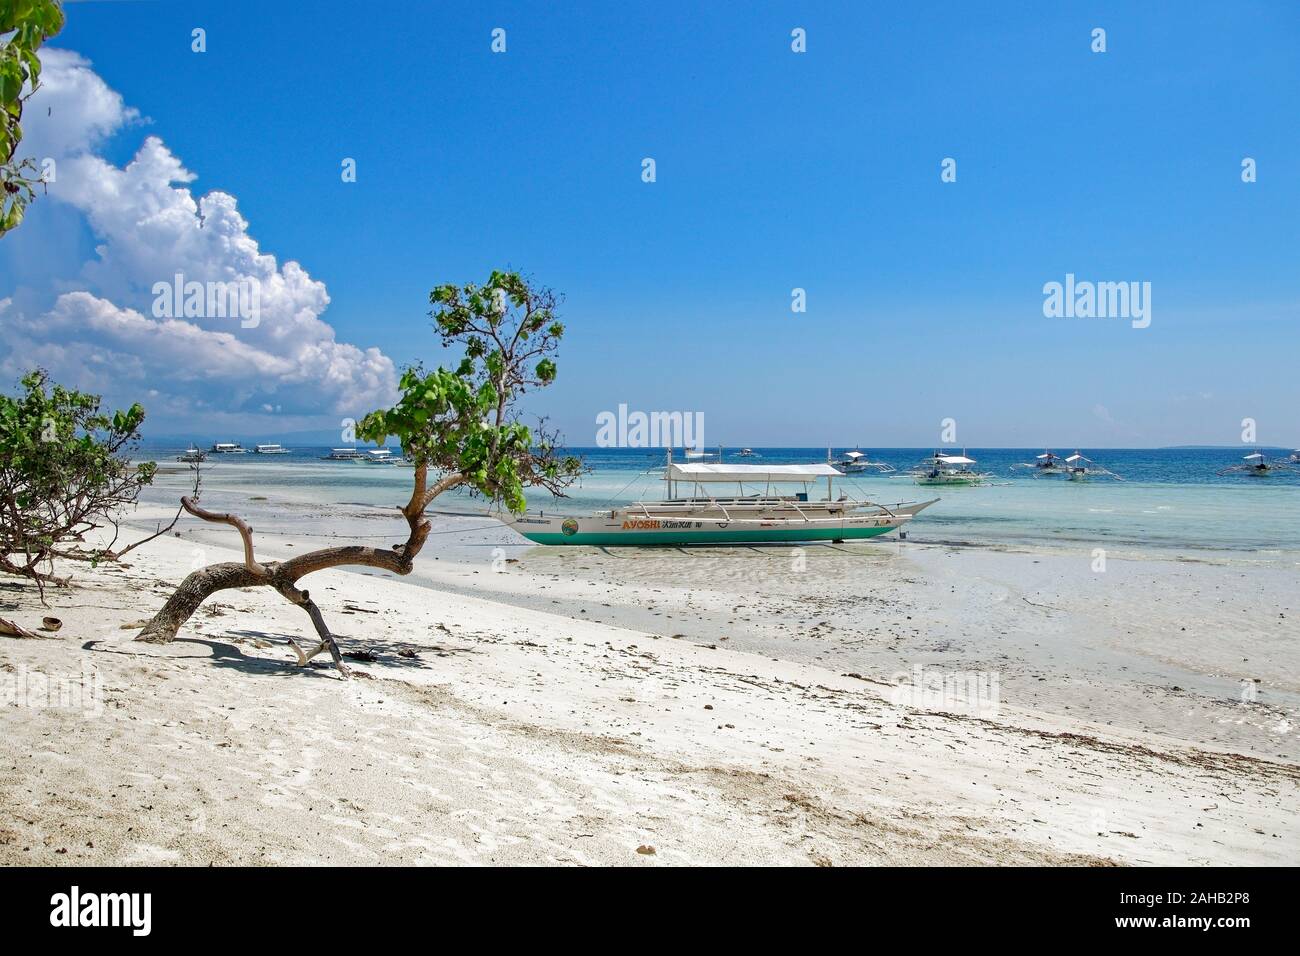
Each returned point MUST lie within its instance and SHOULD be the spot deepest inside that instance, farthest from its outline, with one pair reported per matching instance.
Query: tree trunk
(283, 576)
(193, 591)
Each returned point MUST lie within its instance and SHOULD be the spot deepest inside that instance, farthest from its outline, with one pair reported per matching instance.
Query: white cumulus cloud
(149, 228)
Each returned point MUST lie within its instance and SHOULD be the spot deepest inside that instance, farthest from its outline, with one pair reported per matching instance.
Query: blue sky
(775, 170)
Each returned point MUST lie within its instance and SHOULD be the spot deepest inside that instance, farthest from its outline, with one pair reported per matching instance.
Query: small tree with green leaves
(460, 426)
(65, 470)
(24, 26)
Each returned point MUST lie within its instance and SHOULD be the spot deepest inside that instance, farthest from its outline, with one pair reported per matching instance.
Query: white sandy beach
(492, 731)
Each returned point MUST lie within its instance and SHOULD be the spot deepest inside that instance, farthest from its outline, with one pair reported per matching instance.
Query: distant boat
(1046, 465)
(747, 453)
(946, 470)
(344, 454)
(856, 462)
(377, 456)
(270, 450)
(1257, 466)
(706, 517)
(1079, 468)
(192, 455)
(228, 448)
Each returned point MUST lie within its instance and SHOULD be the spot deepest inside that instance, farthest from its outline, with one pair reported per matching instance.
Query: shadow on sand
(228, 654)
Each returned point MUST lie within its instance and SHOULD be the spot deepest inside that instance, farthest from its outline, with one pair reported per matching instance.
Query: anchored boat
(946, 470)
(855, 462)
(701, 517)
(1080, 468)
(1257, 466)
(1045, 465)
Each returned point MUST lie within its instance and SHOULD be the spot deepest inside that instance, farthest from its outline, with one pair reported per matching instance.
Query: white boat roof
(1252, 457)
(853, 454)
(954, 459)
(1077, 457)
(804, 474)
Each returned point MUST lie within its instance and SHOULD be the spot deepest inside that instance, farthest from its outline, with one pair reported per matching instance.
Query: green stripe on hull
(712, 537)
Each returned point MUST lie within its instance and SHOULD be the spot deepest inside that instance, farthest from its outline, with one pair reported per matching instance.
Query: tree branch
(234, 521)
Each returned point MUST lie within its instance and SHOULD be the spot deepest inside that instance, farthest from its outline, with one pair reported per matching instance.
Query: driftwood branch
(284, 575)
(234, 521)
(326, 642)
(10, 629)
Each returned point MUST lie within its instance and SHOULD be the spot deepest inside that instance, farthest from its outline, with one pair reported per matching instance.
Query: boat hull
(624, 529)
(643, 538)
(949, 480)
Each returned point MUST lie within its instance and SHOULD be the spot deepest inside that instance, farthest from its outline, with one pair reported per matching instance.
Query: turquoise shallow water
(1171, 498)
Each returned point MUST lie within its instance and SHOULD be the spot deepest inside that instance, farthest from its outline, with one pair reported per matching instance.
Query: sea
(1169, 499)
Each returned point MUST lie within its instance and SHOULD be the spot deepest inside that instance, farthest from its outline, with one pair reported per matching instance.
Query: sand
(493, 732)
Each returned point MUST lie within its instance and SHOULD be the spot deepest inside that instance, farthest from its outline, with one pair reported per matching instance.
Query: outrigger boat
(1257, 466)
(1079, 468)
(192, 455)
(703, 518)
(946, 470)
(1045, 465)
(856, 462)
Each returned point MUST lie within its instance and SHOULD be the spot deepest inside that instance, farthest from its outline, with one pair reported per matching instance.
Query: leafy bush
(64, 471)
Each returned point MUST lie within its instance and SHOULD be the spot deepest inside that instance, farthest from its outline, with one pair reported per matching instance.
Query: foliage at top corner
(24, 26)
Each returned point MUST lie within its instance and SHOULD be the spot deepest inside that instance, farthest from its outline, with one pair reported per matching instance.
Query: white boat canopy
(1077, 457)
(954, 459)
(1252, 457)
(853, 454)
(802, 474)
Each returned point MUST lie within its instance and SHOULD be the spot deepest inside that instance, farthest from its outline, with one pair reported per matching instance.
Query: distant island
(1223, 447)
